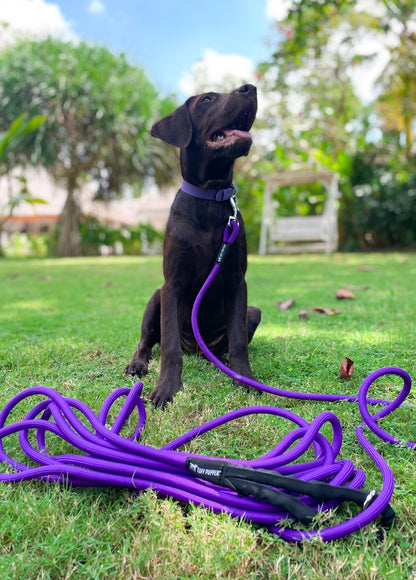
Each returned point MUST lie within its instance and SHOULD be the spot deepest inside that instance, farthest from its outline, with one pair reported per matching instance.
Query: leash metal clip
(370, 498)
(234, 205)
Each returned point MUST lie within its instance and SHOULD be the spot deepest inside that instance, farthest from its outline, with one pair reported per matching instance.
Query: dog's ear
(175, 129)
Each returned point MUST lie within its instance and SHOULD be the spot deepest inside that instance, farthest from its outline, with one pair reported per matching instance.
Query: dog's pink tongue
(237, 133)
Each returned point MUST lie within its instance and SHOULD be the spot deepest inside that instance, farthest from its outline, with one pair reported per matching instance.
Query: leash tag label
(203, 471)
(223, 253)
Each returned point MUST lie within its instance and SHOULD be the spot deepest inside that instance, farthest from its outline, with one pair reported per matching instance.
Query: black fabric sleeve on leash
(257, 482)
(223, 253)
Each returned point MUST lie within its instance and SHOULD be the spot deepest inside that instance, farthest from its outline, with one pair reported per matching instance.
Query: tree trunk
(69, 241)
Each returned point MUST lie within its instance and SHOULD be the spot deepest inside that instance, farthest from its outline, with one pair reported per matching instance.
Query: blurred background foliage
(317, 120)
(99, 109)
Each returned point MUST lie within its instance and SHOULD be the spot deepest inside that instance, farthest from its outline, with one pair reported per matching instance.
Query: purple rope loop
(231, 231)
(371, 420)
(101, 456)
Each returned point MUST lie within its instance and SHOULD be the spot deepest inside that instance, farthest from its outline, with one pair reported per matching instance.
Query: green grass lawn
(73, 325)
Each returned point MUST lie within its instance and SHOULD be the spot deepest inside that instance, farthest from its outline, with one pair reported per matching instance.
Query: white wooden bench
(318, 233)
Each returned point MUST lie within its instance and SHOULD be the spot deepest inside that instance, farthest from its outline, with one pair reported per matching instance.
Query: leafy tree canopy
(320, 45)
(98, 107)
(316, 116)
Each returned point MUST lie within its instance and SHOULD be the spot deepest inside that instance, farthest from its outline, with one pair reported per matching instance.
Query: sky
(175, 41)
(165, 37)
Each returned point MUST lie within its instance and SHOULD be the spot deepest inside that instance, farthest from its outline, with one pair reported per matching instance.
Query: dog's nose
(247, 89)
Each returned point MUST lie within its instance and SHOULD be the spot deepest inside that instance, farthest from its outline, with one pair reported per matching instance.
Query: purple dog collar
(210, 194)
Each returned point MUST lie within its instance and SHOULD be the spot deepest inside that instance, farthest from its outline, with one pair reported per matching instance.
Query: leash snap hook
(234, 205)
(230, 233)
(369, 499)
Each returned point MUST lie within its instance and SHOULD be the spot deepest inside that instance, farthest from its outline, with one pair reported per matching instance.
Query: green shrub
(140, 239)
(380, 210)
(27, 245)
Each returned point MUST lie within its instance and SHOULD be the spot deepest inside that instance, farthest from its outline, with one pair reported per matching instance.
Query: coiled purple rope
(102, 457)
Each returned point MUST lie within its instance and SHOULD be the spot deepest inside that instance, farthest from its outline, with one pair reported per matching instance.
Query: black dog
(211, 130)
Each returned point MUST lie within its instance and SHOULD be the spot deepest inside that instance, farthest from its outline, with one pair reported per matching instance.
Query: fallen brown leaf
(285, 305)
(327, 311)
(344, 294)
(347, 368)
(303, 314)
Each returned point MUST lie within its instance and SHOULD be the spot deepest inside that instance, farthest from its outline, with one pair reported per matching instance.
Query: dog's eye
(205, 99)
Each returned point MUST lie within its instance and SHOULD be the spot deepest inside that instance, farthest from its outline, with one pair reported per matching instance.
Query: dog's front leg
(170, 348)
(150, 335)
(236, 317)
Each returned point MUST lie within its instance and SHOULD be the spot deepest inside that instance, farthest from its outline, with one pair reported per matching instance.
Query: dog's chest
(197, 223)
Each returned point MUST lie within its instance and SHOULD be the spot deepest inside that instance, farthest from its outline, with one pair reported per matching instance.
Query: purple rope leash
(102, 457)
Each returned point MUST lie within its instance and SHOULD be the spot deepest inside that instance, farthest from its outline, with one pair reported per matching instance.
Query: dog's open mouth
(237, 130)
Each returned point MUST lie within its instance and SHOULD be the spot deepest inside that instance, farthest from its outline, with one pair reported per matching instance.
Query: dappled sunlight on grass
(368, 337)
(39, 306)
(95, 261)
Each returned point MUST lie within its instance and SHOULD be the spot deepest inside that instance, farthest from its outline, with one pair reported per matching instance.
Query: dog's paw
(160, 400)
(163, 394)
(139, 369)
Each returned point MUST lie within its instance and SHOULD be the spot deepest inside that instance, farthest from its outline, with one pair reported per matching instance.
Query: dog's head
(211, 129)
